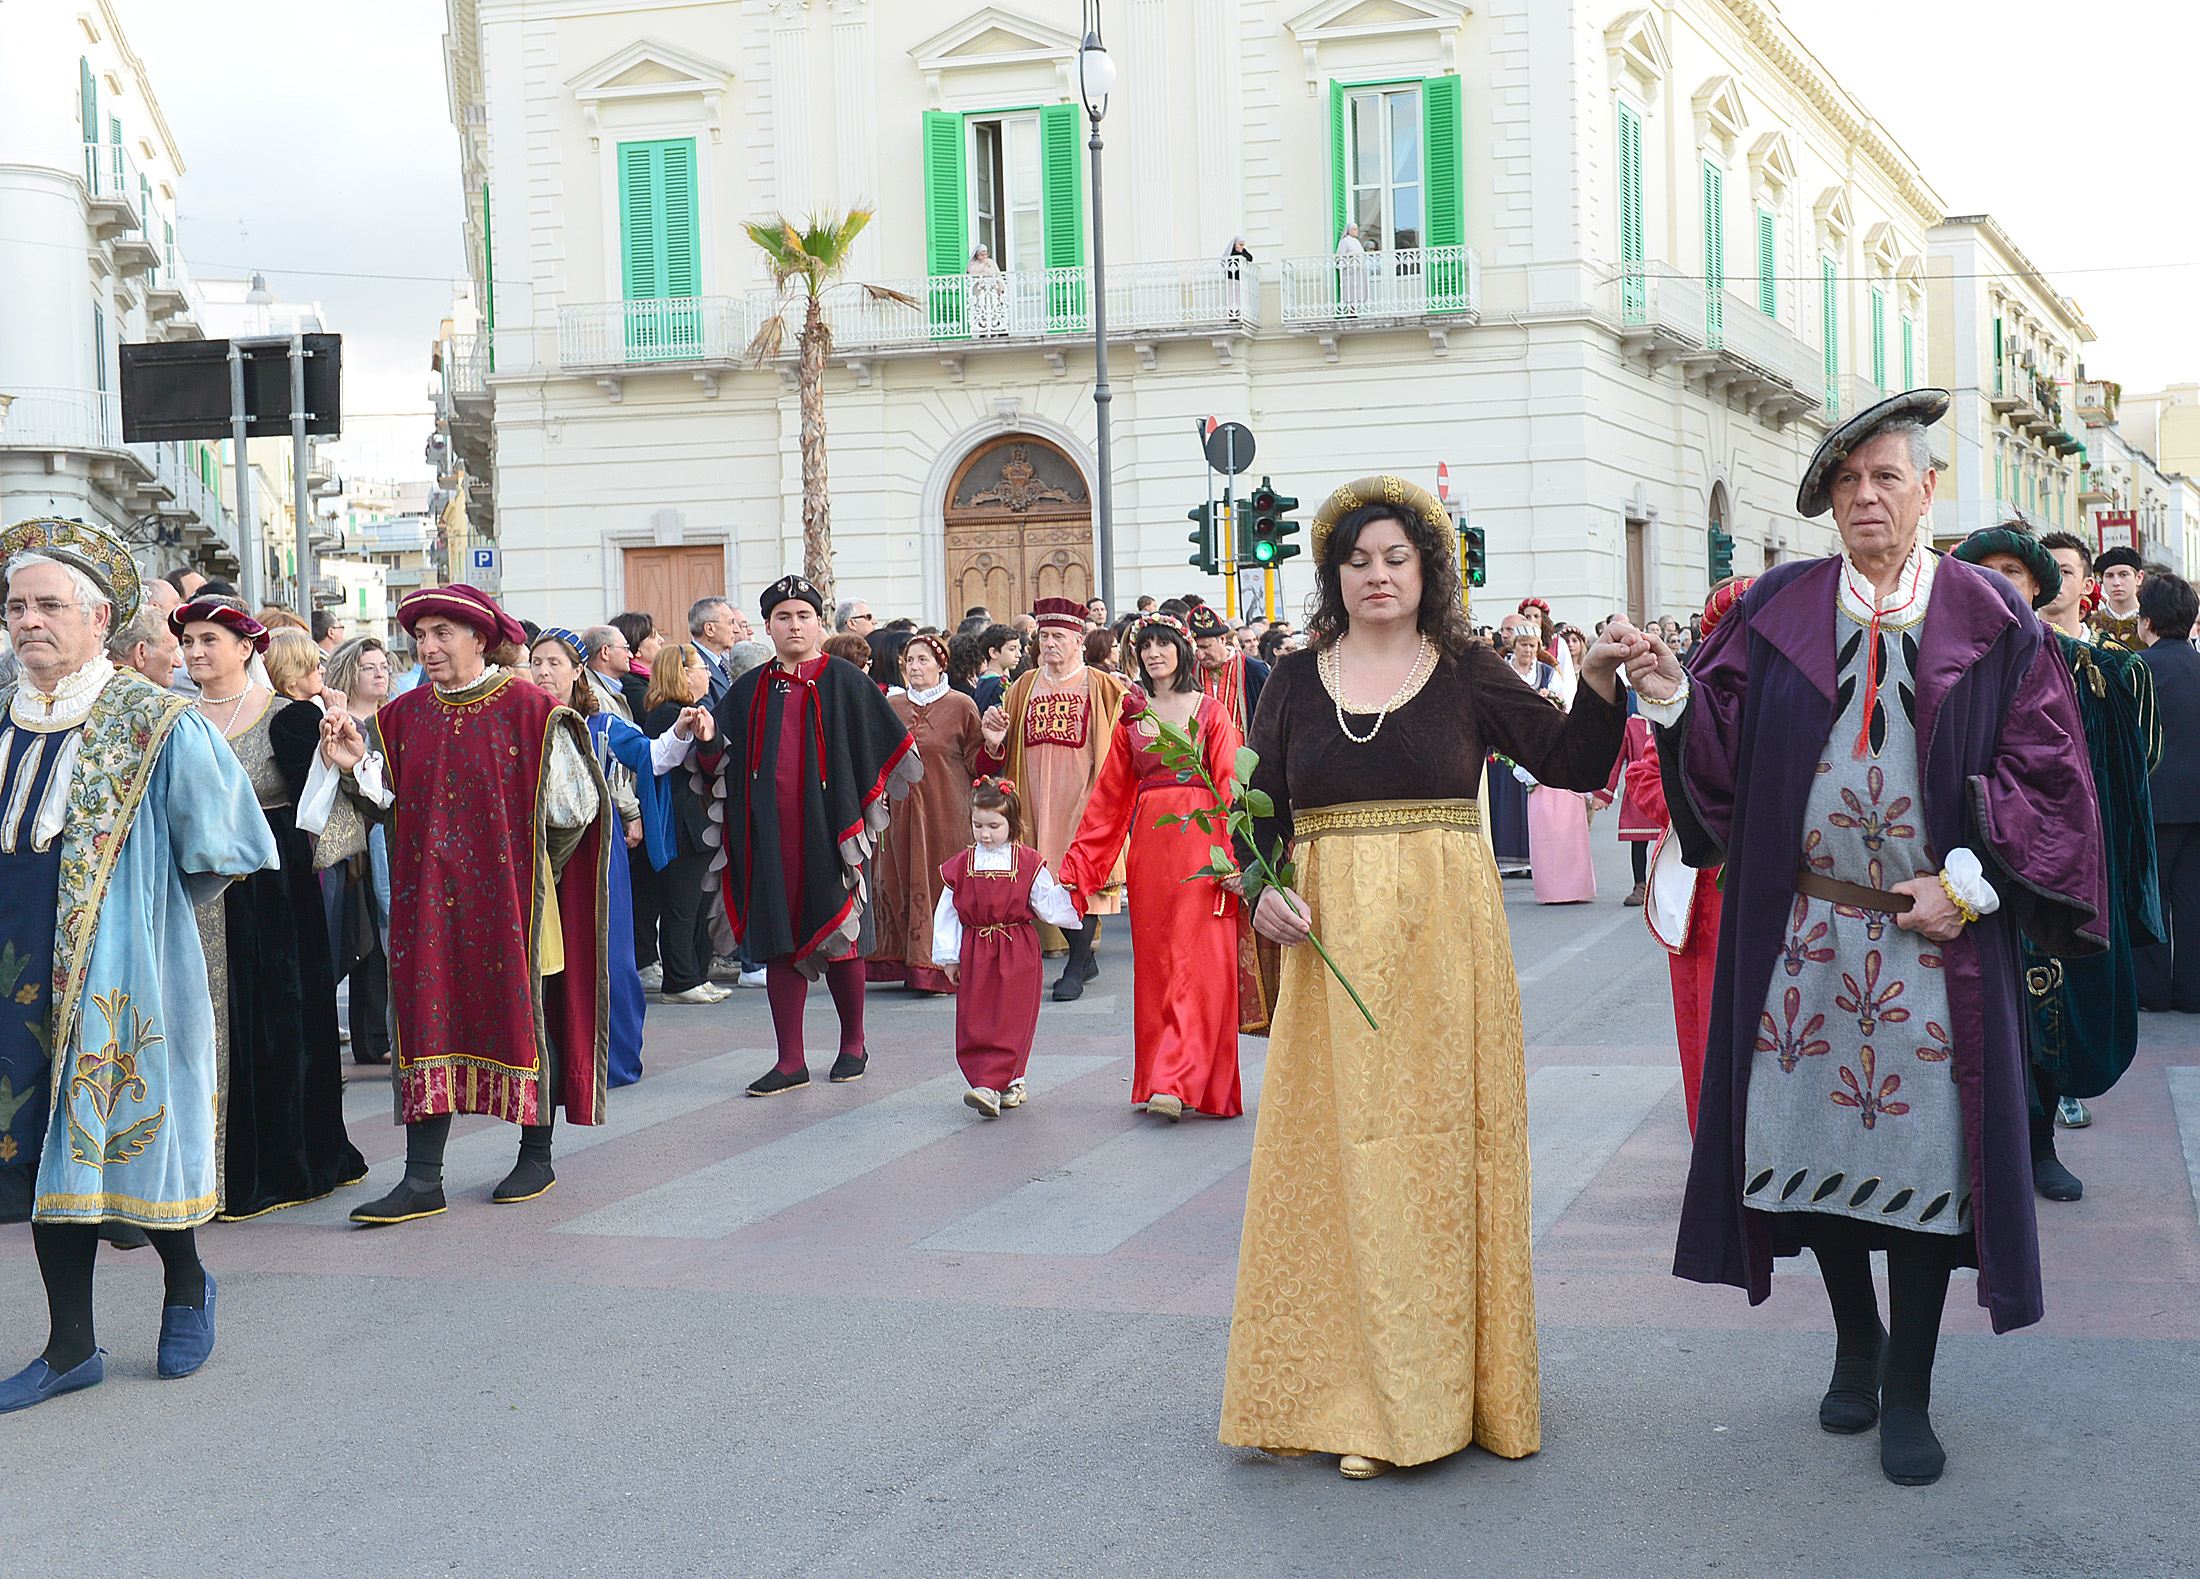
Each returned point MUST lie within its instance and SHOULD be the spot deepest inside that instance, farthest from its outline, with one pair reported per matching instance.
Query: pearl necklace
(1333, 676)
(235, 704)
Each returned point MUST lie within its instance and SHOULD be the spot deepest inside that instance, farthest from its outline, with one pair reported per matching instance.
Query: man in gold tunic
(1049, 736)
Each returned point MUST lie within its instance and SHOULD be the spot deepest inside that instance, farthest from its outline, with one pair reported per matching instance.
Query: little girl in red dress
(982, 929)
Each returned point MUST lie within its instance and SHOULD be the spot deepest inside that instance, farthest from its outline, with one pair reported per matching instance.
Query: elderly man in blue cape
(119, 808)
(2085, 1012)
(1883, 748)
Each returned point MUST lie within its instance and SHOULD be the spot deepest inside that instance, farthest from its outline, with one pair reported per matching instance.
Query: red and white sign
(2118, 530)
(1443, 482)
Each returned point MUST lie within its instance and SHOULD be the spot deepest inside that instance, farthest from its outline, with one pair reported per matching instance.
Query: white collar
(489, 672)
(928, 696)
(1901, 608)
(994, 857)
(1046, 679)
(70, 701)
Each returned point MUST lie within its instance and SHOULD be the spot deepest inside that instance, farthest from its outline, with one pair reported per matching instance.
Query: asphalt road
(859, 1331)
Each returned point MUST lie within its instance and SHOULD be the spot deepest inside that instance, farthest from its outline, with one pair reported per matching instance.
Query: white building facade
(89, 177)
(1621, 267)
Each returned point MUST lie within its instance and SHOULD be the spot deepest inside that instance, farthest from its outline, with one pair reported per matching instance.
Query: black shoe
(401, 1205)
(1909, 1453)
(2055, 1181)
(1092, 968)
(528, 1179)
(1071, 987)
(1851, 1404)
(771, 1082)
(849, 1066)
(124, 1236)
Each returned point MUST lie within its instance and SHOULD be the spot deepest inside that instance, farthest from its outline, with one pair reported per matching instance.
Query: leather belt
(1855, 895)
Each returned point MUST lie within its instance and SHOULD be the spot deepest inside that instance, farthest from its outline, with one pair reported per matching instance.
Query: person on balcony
(1240, 283)
(1351, 269)
(988, 294)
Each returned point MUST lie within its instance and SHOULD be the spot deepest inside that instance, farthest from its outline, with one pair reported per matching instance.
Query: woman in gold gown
(1385, 1301)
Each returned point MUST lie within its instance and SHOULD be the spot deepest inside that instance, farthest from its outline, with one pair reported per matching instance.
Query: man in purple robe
(1884, 748)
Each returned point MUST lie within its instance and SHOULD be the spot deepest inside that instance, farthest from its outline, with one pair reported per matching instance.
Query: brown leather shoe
(1639, 894)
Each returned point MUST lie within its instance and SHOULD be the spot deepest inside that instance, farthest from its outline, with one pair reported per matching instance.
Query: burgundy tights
(788, 990)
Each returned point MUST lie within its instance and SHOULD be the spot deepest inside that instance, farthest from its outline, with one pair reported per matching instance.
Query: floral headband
(1006, 786)
(931, 644)
(1144, 621)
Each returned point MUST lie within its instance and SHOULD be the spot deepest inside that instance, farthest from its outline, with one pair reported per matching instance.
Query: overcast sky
(317, 137)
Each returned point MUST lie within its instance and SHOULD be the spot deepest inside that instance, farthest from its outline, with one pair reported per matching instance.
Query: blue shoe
(186, 1336)
(36, 1382)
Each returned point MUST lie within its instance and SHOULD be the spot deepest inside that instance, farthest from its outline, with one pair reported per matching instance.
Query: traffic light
(1474, 555)
(1202, 538)
(1722, 555)
(1266, 538)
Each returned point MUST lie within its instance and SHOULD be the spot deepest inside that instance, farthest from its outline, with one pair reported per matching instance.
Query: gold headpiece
(1379, 489)
(81, 546)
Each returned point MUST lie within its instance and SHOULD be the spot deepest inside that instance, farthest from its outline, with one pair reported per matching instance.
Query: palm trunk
(817, 520)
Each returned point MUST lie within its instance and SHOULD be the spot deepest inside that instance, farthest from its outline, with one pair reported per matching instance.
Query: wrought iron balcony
(114, 190)
(1413, 286)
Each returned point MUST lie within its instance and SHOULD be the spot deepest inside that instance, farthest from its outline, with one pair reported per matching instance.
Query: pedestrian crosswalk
(1132, 1176)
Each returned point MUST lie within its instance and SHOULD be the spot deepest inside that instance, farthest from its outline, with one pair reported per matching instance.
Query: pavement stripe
(1578, 1117)
(766, 1180)
(485, 1156)
(2184, 1096)
(1580, 945)
(1115, 1191)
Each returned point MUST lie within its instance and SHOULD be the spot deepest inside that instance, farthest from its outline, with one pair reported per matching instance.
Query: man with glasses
(854, 617)
(711, 624)
(609, 658)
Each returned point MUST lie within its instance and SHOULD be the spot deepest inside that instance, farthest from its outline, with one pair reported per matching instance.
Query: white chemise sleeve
(1050, 902)
(947, 931)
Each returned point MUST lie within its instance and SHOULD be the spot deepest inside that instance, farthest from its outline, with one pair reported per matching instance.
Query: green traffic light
(1264, 551)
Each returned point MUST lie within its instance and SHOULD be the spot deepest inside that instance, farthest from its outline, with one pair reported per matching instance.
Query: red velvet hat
(467, 605)
(1063, 613)
(225, 612)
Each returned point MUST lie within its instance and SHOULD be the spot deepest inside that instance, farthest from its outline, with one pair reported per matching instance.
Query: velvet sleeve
(1105, 827)
(1699, 754)
(294, 738)
(1573, 750)
(1645, 784)
(2037, 816)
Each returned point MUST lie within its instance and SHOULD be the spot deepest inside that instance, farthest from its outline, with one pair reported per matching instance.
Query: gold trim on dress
(1384, 816)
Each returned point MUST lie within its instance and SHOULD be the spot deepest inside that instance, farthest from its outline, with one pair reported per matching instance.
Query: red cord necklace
(1870, 598)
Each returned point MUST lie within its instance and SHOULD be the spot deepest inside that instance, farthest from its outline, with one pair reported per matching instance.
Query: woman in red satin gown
(1183, 934)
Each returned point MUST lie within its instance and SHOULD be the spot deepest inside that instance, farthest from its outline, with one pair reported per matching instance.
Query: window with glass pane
(1008, 191)
(1387, 168)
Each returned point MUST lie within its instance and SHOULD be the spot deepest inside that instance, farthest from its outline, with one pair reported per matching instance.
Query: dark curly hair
(1443, 615)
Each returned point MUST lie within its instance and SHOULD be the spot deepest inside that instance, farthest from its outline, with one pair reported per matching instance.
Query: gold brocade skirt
(1385, 1296)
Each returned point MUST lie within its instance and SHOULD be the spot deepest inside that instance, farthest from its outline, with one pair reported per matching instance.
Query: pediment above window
(649, 68)
(1772, 167)
(1420, 33)
(1883, 247)
(1832, 212)
(993, 44)
(1637, 51)
(1720, 117)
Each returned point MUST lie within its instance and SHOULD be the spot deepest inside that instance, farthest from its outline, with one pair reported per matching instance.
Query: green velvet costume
(2085, 1012)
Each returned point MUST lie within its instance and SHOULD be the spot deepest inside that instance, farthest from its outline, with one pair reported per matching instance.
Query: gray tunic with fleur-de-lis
(1853, 1108)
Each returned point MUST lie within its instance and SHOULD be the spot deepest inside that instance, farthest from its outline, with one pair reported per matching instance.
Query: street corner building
(1857, 1070)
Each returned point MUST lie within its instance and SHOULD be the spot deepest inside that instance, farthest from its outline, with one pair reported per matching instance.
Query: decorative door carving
(1019, 527)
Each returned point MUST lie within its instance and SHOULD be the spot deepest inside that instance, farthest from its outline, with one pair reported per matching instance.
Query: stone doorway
(1019, 528)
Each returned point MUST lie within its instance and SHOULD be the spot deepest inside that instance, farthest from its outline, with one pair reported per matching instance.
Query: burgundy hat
(225, 612)
(469, 606)
(1062, 613)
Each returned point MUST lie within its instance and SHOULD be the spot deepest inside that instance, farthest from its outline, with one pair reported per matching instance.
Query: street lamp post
(1095, 76)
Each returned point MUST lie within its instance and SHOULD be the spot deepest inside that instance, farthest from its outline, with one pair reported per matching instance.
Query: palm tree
(813, 257)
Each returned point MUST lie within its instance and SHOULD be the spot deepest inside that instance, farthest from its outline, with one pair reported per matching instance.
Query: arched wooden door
(1019, 528)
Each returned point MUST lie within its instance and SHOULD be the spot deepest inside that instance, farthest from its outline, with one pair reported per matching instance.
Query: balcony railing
(1656, 305)
(1859, 393)
(1420, 283)
(63, 419)
(465, 366)
(112, 183)
(1766, 348)
(684, 330)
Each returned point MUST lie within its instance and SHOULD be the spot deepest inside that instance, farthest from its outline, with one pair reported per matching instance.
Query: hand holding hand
(1653, 668)
(1282, 917)
(994, 725)
(1934, 914)
(695, 723)
(342, 746)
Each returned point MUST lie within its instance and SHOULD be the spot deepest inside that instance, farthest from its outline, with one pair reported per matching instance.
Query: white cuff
(668, 751)
(368, 776)
(1968, 879)
(1664, 714)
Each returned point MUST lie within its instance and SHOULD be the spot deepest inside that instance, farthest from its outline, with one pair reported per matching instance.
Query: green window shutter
(1440, 123)
(659, 238)
(1714, 249)
(1340, 161)
(1830, 325)
(1768, 263)
(1879, 337)
(946, 196)
(89, 88)
(1997, 356)
(1909, 352)
(1063, 191)
(1630, 214)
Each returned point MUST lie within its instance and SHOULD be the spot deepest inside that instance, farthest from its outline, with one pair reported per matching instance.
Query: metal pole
(304, 523)
(1229, 515)
(247, 556)
(1268, 591)
(1101, 397)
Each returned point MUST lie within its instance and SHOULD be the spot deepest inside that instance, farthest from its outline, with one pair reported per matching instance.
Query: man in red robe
(808, 751)
(1230, 677)
(499, 821)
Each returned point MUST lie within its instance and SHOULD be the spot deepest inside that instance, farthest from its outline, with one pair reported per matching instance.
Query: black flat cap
(1922, 406)
(2120, 555)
